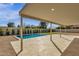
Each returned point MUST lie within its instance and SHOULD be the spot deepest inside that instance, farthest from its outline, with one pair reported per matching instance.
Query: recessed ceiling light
(52, 9)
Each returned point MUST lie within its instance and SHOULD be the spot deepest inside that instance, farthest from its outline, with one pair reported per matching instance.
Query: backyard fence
(68, 30)
(16, 31)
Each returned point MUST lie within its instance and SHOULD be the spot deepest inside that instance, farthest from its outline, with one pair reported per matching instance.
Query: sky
(9, 12)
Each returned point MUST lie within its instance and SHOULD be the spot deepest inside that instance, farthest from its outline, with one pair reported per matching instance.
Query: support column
(15, 31)
(31, 30)
(4, 31)
(21, 33)
(10, 31)
(25, 31)
(72, 30)
(40, 31)
(65, 29)
(37, 31)
(60, 32)
(51, 31)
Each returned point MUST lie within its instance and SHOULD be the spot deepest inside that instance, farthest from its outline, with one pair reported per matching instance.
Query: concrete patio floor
(6, 48)
(39, 46)
(42, 46)
(72, 49)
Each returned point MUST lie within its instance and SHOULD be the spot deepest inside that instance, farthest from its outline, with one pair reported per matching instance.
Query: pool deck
(6, 48)
(73, 48)
(36, 47)
(42, 46)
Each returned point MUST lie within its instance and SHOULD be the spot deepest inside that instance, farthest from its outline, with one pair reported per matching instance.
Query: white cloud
(11, 4)
(5, 5)
(7, 14)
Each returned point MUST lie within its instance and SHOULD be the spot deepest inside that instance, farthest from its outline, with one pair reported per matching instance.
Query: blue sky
(9, 12)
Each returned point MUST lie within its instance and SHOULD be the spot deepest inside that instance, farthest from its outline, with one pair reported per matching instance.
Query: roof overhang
(63, 13)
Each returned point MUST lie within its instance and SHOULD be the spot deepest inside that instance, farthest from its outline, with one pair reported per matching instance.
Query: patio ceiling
(59, 13)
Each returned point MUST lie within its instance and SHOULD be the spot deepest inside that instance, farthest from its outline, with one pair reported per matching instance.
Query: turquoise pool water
(30, 36)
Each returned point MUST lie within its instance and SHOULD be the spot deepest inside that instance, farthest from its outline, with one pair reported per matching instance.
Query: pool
(31, 35)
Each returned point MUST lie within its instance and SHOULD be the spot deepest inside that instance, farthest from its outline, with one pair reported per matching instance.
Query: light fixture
(52, 9)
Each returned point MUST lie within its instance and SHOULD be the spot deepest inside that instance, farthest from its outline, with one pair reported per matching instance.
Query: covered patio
(53, 44)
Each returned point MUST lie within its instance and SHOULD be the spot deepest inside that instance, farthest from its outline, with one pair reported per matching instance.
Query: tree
(18, 25)
(68, 27)
(1, 32)
(60, 27)
(43, 24)
(11, 24)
